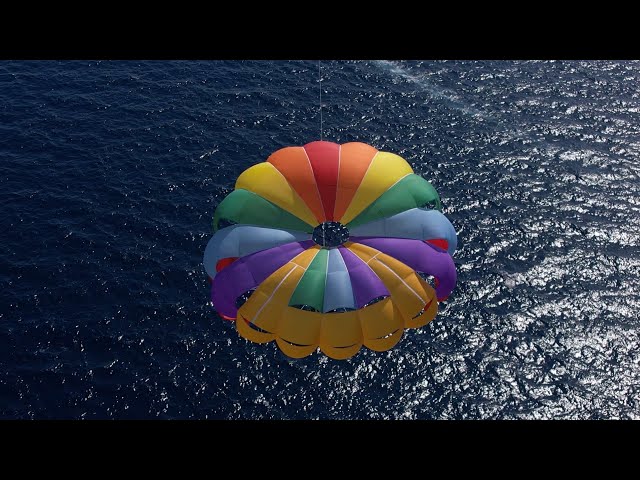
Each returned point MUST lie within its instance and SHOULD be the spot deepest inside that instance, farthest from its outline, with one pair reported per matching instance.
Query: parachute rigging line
(320, 82)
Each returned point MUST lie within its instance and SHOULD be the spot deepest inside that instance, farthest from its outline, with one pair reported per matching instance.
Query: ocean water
(110, 173)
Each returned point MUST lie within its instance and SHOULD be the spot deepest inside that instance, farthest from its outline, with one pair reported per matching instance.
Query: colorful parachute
(330, 246)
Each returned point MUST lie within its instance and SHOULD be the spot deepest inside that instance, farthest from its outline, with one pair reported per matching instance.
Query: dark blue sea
(110, 172)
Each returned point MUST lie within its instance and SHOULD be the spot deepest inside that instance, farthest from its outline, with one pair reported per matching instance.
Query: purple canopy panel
(420, 256)
(364, 282)
(249, 272)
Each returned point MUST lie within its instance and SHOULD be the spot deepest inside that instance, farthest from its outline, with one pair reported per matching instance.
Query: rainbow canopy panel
(330, 246)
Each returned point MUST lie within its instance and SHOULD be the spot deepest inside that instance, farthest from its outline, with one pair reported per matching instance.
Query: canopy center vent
(330, 234)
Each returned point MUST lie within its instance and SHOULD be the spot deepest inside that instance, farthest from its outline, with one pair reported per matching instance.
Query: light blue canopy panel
(417, 224)
(241, 240)
(338, 292)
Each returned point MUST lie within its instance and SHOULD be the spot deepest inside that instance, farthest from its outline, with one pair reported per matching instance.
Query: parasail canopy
(330, 246)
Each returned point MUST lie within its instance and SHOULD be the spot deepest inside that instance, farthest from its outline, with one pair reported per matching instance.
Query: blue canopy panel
(241, 240)
(417, 223)
(338, 294)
